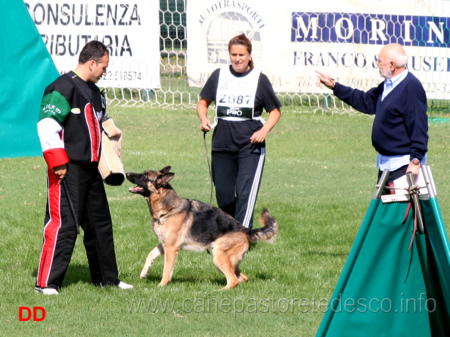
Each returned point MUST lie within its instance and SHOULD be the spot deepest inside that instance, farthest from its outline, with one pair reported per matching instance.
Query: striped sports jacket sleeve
(54, 109)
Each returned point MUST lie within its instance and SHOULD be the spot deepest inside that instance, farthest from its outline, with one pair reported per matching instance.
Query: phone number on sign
(442, 88)
(122, 76)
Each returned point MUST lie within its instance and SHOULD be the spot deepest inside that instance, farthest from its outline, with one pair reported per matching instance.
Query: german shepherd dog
(193, 225)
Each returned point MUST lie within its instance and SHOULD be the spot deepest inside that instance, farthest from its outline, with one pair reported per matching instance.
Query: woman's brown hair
(243, 41)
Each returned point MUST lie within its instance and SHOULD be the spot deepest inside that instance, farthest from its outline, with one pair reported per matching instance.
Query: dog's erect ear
(164, 180)
(165, 170)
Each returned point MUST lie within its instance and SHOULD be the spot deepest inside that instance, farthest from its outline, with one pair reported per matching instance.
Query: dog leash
(66, 190)
(209, 166)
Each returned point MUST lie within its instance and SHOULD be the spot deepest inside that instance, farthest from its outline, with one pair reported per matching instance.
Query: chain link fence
(175, 90)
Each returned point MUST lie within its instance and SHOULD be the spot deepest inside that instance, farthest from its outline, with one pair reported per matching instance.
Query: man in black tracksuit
(69, 129)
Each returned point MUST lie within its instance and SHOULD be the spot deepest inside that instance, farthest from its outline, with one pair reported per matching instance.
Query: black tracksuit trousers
(237, 177)
(90, 204)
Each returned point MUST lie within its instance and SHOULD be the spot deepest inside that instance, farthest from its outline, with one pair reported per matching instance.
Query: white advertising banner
(130, 30)
(293, 39)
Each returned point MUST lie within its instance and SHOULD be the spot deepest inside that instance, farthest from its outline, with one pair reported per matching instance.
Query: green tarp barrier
(26, 69)
(386, 289)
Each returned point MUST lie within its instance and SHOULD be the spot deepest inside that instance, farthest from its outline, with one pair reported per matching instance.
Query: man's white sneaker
(123, 285)
(47, 291)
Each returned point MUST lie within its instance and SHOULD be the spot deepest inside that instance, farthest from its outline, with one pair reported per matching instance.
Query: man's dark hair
(93, 50)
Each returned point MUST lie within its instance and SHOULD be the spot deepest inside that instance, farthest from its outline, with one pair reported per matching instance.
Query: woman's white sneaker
(123, 285)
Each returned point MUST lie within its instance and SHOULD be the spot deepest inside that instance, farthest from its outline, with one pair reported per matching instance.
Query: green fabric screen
(386, 289)
(26, 69)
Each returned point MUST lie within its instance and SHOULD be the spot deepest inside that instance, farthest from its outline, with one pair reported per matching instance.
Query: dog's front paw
(144, 274)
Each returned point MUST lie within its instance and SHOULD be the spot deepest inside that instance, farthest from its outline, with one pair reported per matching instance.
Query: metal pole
(381, 184)
(413, 190)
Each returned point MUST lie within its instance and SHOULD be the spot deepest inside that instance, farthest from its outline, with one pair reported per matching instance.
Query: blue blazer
(401, 122)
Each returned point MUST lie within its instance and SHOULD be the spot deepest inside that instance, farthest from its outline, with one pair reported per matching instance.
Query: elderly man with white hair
(399, 103)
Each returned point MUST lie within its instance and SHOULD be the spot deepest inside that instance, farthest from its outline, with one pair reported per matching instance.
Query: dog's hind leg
(240, 276)
(171, 253)
(228, 251)
(152, 256)
(236, 257)
(222, 262)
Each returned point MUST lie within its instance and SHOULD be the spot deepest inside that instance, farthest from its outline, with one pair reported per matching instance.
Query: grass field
(318, 181)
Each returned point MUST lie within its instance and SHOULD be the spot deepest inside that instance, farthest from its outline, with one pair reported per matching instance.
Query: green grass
(318, 181)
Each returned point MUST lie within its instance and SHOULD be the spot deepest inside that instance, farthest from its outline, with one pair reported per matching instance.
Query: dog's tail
(269, 230)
